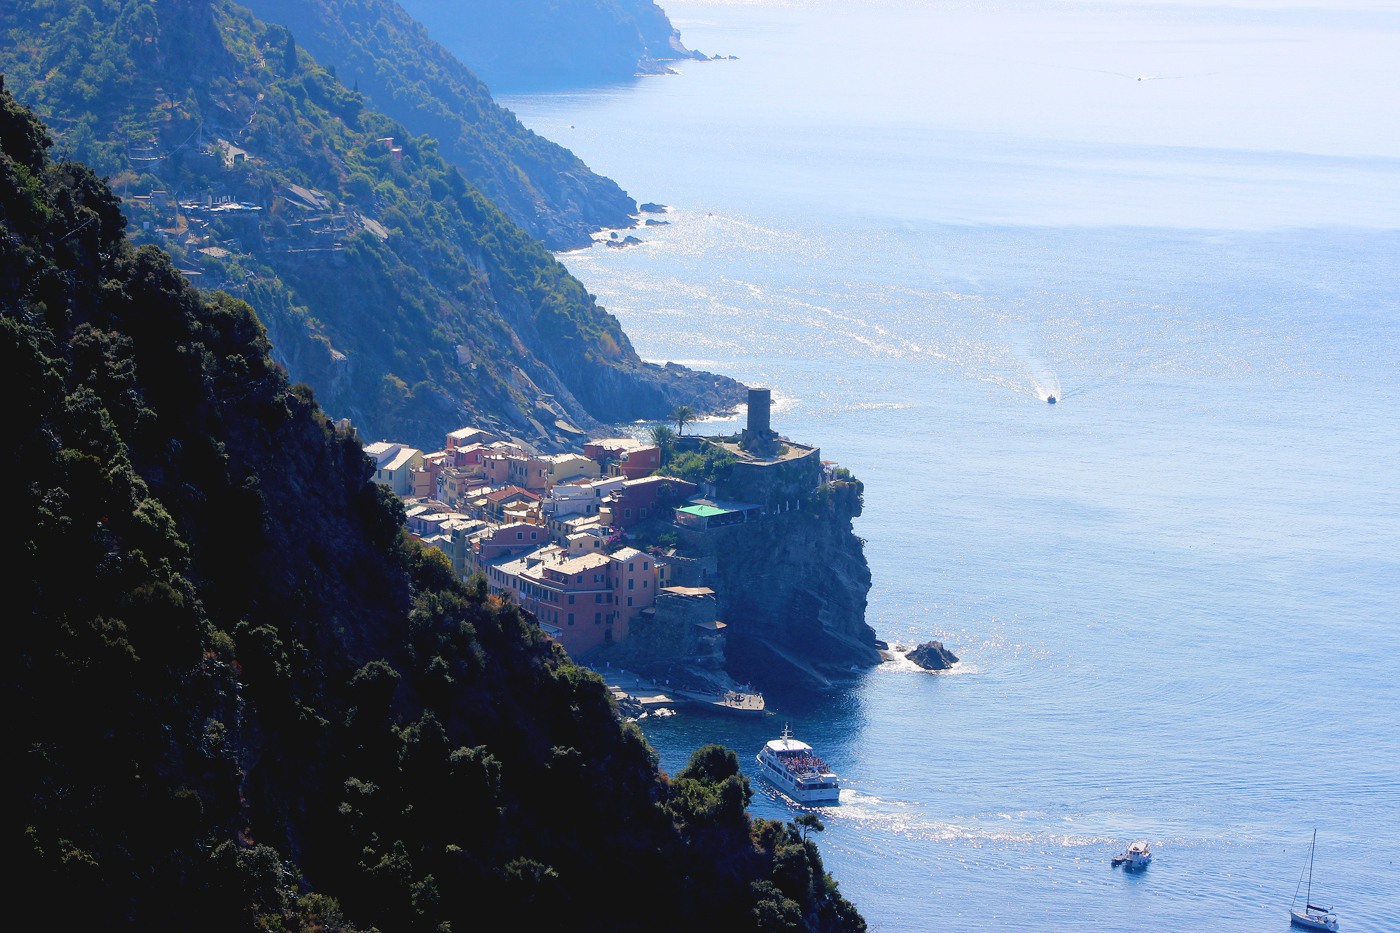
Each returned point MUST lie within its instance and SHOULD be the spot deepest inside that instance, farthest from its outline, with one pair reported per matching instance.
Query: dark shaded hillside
(387, 282)
(378, 48)
(527, 44)
(238, 698)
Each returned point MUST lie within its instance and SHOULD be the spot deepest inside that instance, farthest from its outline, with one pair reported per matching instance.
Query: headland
(693, 560)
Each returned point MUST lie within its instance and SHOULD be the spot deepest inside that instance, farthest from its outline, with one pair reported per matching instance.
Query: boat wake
(894, 817)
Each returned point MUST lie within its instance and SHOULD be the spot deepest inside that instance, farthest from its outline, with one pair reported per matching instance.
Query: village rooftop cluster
(551, 531)
(548, 529)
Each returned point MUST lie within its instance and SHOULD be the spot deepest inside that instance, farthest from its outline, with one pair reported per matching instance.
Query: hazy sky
(1245, 75)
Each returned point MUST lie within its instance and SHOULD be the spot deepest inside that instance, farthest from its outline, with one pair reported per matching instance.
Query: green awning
(703, 511)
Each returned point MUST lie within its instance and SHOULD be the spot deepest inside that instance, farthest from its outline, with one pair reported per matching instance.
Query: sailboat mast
(1311, 852)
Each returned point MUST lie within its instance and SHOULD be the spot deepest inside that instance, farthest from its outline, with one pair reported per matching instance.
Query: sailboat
(1312, 917)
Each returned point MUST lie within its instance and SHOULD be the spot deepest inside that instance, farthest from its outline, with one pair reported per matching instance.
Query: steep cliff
(793, 589)
(240, 699)
(791, 579)
(391, 285)
(525, 44)
(379, 49)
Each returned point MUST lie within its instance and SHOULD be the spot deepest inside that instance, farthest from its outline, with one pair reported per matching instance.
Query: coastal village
(604, 549)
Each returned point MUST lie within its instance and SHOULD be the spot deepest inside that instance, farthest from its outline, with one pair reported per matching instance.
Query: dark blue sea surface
(1174, 592)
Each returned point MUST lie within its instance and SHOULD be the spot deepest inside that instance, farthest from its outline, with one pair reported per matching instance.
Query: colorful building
(393, 464)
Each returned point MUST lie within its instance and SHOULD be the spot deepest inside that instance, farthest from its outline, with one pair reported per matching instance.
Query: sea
(1174, 592)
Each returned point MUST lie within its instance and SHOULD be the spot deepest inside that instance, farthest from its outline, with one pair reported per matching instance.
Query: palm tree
(682, 416)
(662, 437)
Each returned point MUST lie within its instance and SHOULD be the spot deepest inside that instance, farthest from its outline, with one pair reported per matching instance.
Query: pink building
(507, 540)
(631, 458)
(581, 602)
(531, 473)
(639, 499)
(573, 599)
(634, 579)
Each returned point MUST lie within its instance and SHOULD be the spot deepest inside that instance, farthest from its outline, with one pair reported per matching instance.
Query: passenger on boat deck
(801, 762)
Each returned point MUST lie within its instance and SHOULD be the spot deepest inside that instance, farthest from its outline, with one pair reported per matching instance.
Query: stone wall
(771, 483)
(671, 632)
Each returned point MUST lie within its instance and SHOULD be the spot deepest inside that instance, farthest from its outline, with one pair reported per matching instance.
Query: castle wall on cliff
(792, 585)
(771, 482)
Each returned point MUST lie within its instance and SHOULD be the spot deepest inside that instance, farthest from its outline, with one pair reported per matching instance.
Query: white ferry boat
(793, 768)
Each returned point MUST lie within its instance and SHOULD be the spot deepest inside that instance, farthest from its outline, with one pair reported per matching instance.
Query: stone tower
(759, 435)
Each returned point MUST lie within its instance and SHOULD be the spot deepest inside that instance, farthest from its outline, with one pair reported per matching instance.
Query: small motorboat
(1134, 857)
(1050, 399)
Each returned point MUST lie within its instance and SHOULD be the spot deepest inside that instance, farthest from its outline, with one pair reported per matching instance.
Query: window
(532, 535)
(597, 618)
(631, 583)
(646, 565)
(644, 584)
(597, 597)
(629, 600)
(632, 567)
(571, 615)
(628, 513)
(571, 602)
(520, 536)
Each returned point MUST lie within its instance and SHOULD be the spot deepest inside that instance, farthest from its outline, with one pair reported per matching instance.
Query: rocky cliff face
(394, 288)
(793, 589)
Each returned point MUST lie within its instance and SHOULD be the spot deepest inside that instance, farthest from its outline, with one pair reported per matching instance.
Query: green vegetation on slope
(241, 699)
(436, 312)
(378, 49)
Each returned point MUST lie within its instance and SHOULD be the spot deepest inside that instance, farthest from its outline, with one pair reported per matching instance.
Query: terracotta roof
(500, 495)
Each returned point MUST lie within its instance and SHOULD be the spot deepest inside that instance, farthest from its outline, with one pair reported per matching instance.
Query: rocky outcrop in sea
(932, 656)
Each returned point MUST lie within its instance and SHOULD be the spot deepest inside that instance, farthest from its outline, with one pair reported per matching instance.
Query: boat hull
(1309, 922)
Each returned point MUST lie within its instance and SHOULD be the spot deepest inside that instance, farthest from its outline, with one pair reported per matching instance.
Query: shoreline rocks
(932, 656)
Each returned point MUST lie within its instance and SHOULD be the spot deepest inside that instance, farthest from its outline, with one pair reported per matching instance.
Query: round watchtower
(760, 408)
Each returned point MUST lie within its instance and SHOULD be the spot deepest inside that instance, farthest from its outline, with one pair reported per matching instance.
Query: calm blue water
(1175, 592)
